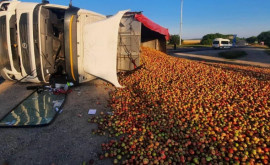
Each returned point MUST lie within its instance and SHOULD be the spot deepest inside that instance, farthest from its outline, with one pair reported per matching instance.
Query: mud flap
(100, 48)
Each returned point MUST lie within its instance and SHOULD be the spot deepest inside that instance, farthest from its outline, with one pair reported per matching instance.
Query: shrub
(252, 40)
(208, 39)
(174, 39)
(232, 54)
(264, 37)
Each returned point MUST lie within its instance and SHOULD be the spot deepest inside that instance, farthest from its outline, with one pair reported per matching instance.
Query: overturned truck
(38, 39)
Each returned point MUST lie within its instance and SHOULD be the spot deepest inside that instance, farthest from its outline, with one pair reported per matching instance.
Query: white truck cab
(221, 43)
(38, 38)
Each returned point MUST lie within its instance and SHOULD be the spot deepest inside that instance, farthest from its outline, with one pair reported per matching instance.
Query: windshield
(36, 110)
(225, 42)
(216, 42)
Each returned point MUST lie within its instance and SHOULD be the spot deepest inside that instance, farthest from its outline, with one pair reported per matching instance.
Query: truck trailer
(40, 39)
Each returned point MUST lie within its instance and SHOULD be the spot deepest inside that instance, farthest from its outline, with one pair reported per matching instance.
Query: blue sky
(242, 17)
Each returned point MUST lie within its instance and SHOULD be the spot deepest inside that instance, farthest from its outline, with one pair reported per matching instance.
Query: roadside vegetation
(169, 46)
(208, 39)
(175, 39)
(233, 54)
(252, 40)
(259, 46)
(263, 37)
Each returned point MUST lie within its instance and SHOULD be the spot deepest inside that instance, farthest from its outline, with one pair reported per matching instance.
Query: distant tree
(208, 39)
(264, 37)
(174, 39)
(251, 40)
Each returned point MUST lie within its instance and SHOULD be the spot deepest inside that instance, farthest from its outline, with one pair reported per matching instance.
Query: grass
(259, 46)
(232, 54)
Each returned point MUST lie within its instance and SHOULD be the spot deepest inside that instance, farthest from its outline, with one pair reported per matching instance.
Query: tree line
(208, 38)
(263, 37)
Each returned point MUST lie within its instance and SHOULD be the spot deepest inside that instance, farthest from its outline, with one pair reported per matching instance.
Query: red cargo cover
(152, 25)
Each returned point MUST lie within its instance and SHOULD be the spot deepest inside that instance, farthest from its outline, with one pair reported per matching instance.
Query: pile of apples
(177, 111)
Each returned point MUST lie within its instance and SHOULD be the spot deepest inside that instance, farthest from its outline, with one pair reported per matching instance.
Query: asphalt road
(191, 49)
(254, 57)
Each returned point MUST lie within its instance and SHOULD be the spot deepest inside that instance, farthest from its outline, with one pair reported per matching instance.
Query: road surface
(254, 57)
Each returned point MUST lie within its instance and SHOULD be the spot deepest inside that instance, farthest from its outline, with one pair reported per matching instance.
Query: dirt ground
(67, 141)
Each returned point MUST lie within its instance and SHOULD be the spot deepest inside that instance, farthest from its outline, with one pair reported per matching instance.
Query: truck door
(100, 48)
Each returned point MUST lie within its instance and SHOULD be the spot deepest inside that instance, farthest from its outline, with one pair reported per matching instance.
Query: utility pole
(181, 22)
(70, 3)
(45, 2)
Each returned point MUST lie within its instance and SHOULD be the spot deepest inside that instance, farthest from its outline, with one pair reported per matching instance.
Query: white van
(220, 43)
